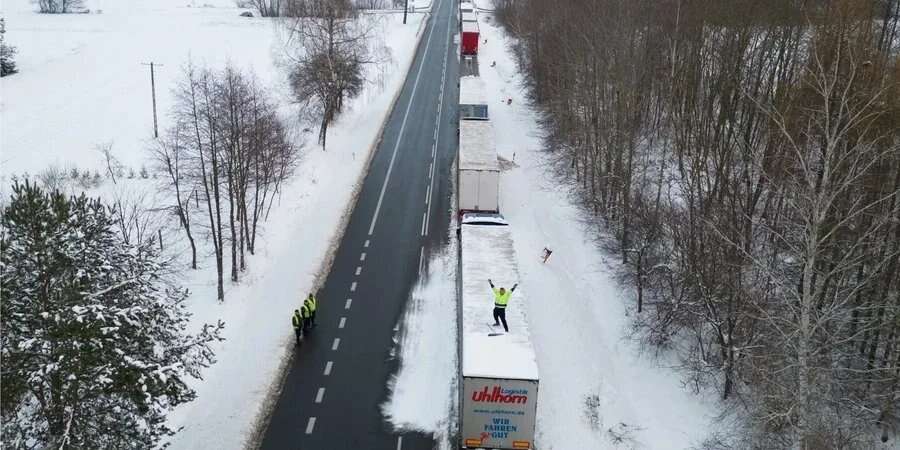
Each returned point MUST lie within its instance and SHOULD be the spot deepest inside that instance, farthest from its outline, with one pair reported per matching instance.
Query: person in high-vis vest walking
(501, 300)
(297, 322)
(311, 303)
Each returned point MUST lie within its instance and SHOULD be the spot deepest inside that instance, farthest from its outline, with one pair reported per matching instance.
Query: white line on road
(399, 442)
(353, 287)
(421, 260)
(366, 244)
(424, 220)
(358, 270)
(310, 425)
(362, 256)
(337, 341)
(320, 394)
(436, 133)
(343, 322)
(328, 368)
(347, 304)
(402, 127)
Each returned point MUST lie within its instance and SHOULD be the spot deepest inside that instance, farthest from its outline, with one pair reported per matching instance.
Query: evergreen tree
(94, 344)
(7, 53)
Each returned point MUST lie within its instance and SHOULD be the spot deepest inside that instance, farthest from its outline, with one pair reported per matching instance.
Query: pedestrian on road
(501, 300)
(312, 304)
(297, 322)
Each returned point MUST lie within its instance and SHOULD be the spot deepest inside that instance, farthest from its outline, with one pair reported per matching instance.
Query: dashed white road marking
(424, 220)
(320, 394)
(362, 256)
(353, 287)
(421, 259)
(358, 270)
(310, 425)
(412, 96)
(342, 322)
(366, 244)
(399, 442)
(337, 341)
(436, 134)
(328, 366)
(347, 304)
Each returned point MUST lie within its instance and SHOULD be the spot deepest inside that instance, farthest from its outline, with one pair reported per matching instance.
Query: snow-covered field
(598, 390)
(81, 83)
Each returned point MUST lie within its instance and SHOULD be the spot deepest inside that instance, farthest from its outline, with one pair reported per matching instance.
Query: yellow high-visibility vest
(296, 320)
(501, 300)
(310, 303)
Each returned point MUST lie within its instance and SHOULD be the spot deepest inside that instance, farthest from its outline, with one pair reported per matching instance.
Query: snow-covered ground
(81, 83)
(428, 334)
(597, 390)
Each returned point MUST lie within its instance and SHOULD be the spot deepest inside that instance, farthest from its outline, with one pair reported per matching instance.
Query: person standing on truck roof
(297, 322)
(501, 300)
(311, 303)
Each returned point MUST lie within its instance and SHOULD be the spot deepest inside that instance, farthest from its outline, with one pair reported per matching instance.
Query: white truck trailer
(478, 170)
(499, 373)
(472, 101)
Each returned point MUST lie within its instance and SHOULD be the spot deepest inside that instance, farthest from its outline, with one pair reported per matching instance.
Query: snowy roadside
(597, 390)
(299, 244)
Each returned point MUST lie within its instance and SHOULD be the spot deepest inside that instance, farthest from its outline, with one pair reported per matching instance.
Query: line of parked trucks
(499, 377)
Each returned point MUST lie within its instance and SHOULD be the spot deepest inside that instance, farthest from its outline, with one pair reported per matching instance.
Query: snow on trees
(745, 161)
(7, 53)
(95, 343)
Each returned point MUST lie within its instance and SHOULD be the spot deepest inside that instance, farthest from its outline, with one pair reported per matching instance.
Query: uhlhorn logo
(498, 395)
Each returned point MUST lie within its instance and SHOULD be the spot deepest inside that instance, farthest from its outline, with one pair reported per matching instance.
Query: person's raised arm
(514, 287)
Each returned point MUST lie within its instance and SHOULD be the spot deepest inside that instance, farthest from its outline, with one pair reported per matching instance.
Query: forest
(742, 160)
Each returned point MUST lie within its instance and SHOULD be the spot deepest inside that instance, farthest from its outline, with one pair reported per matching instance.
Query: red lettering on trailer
(496, 395)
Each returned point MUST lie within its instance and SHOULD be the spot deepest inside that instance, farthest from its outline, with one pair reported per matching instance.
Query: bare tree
(229, 145)
(59, 6)
(742, 157)
(171, 156)
(265, 8)
(329, 48)
(113, 166)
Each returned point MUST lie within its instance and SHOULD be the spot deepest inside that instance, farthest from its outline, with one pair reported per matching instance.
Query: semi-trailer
(478, 170)
(498, 392)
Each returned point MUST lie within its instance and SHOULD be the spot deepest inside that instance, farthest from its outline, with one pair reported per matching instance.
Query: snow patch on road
(423, 391)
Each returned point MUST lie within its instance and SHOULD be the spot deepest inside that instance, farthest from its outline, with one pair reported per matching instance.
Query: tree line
(743, 159)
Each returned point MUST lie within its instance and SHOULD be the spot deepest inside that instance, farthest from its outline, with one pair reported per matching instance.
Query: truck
(498, 392)
(469, 40)
(472, 101)
(478, 170)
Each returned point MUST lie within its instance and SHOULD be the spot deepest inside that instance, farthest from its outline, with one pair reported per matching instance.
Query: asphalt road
(338, 377)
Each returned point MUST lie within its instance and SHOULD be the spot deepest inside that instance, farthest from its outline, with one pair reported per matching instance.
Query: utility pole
(405, 7)
(153, 91)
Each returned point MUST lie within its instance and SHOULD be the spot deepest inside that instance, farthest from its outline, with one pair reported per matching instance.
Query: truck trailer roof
(471, 91)
(470, 27)
(477, 148)
(487, 252)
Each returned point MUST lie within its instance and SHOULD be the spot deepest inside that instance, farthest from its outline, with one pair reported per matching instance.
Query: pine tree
(7, 53)
(94, 344)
